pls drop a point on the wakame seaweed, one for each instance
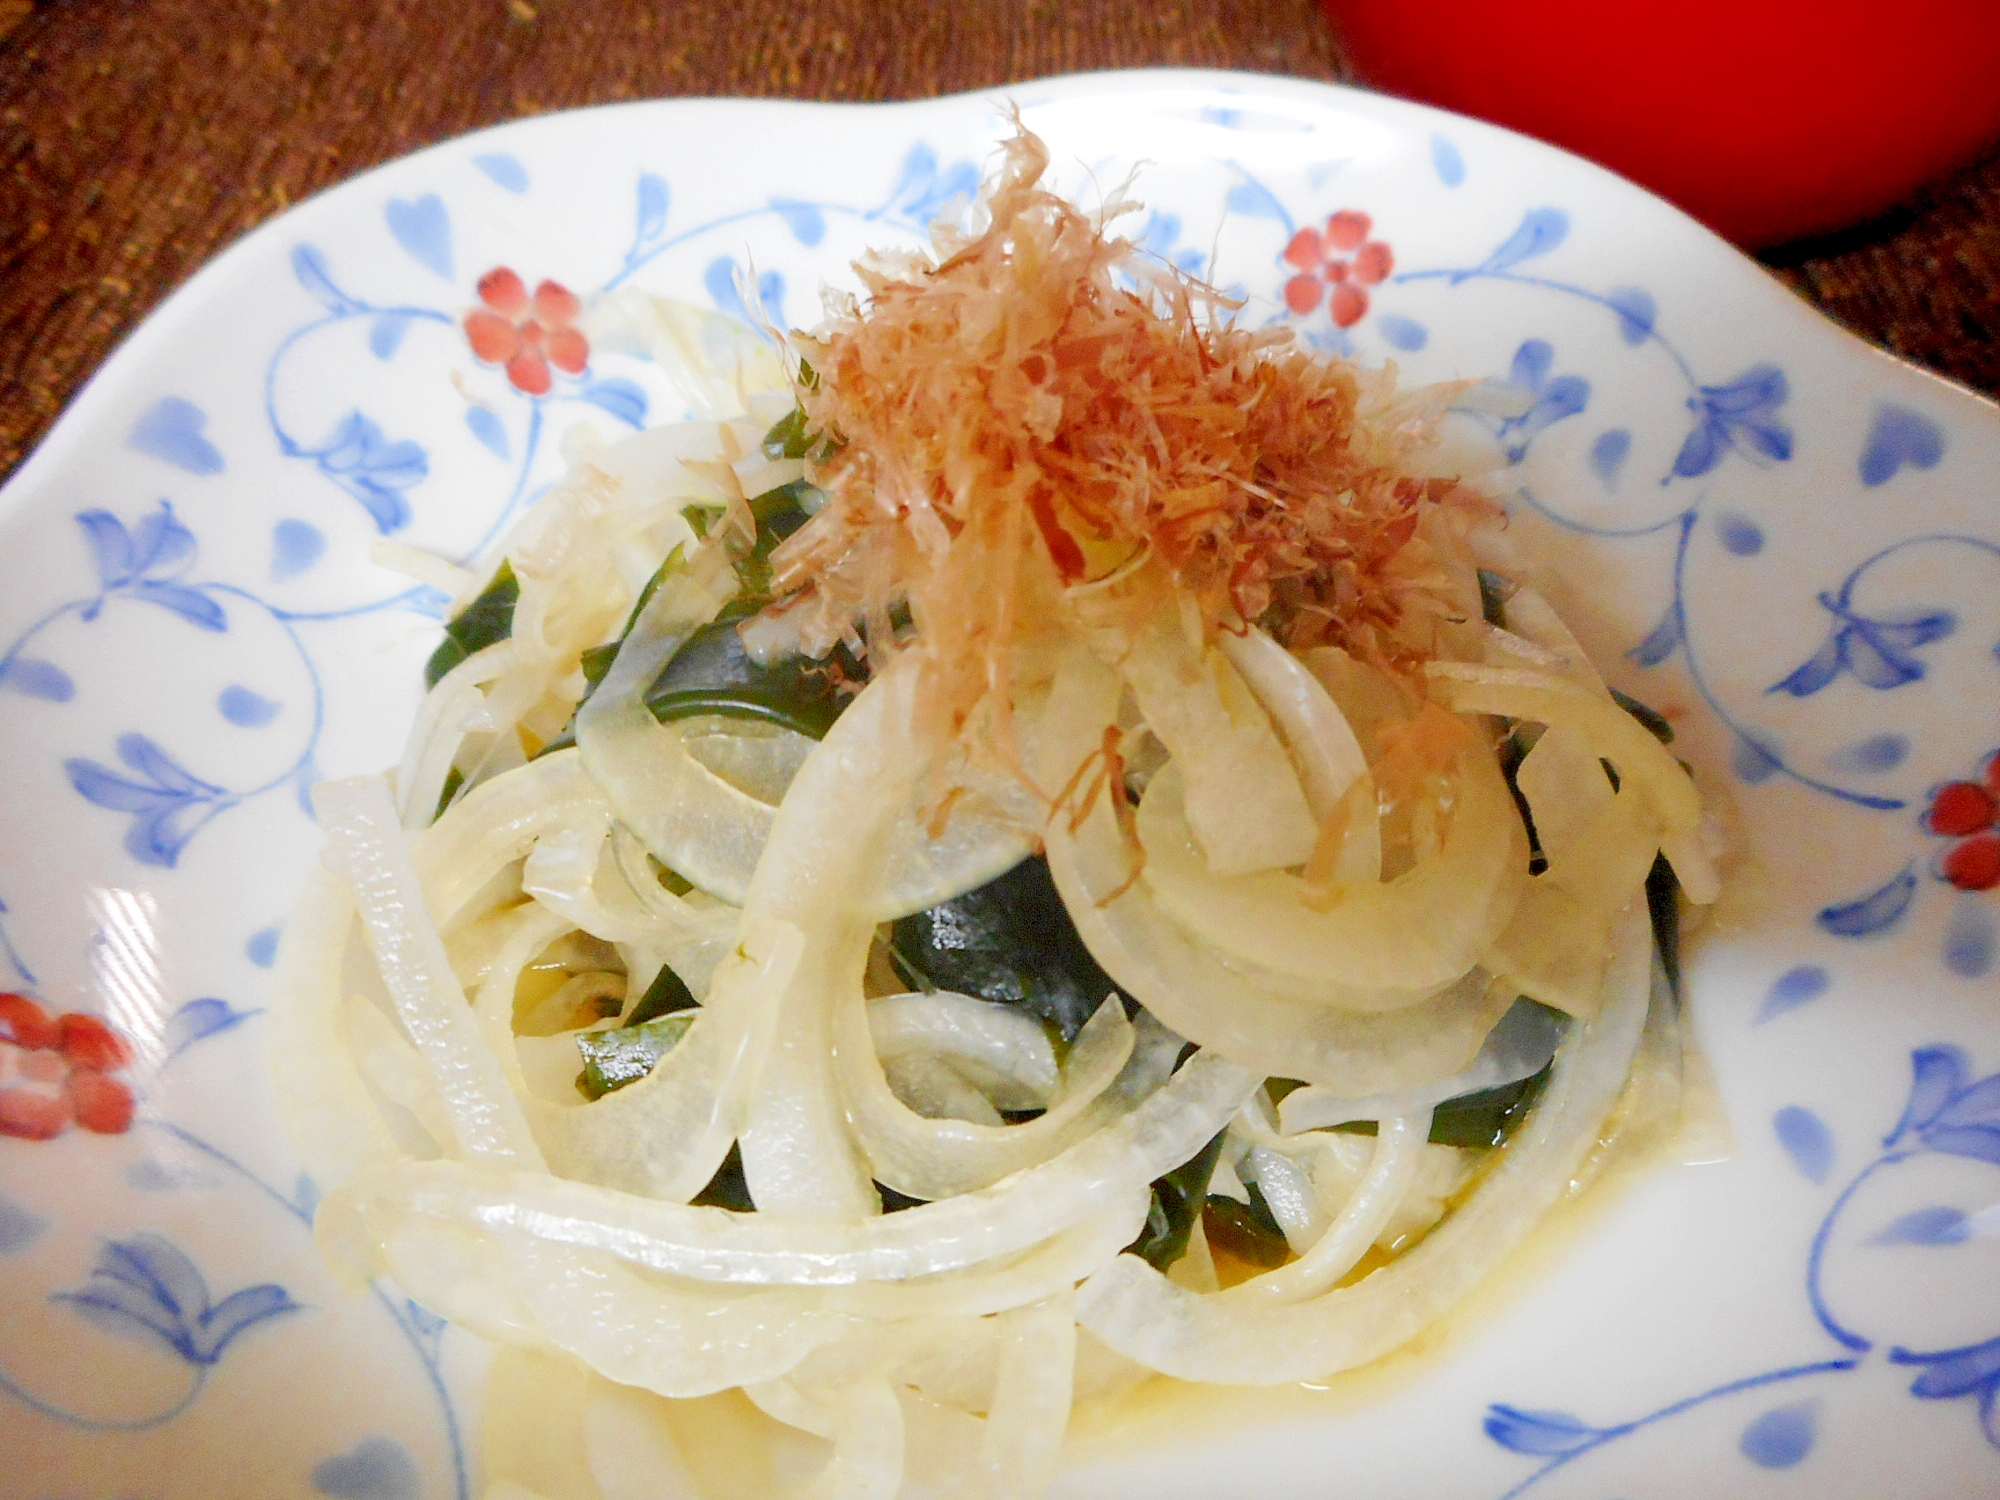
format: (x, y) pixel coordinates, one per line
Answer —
(484, 622)
(1485, 1117)
(1010, 941)
(1178, 1199)
(1248, 1231)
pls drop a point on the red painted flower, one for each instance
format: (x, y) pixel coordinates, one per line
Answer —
(527, 334)
(1340, 256)
(58, 1071)
(1967, 812)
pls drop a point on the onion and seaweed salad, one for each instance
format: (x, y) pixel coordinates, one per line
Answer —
(1019, 851)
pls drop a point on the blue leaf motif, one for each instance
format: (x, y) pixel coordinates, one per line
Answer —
(1878, 651)
(244, 708)
(1661, 641)
(1255, 201)
(805, 220)
(295, 547)
(1399, 332)
(1937, 1076)
(1637, 312)
(1781, 1437)
(198, 1020)
(1980, 1142)
(1925, 1226)
(1793, 988)
(1969, 939)
(262, 949)
(37, 679)
(145, 1288)
(190, 604)
(1806, 1139)
(423, 228)
(1873, 913)
(1447, 162)
(20, 1226)
(1555, 398)
(1971, 1371)
(374, 470)
(503, 170)
(1608, 454)
(1755, 759)
(1540, 231)
(1877, 753)
(622, 398)
(1741, 415)
(166, 807)
(309, 266)
(1897, 437)
(1541, 1433)
(385, 334)
(376, 1468)
(652, 214)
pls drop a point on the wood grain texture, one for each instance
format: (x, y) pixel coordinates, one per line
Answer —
(138, 139)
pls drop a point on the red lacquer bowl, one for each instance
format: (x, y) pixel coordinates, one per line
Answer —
(1767, 119)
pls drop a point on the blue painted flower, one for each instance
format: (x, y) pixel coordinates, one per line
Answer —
(924, 191)
(1877, 651)
(1950, 1374)
(1946, 1112)
(1742, 415)
(1555, 397)
(167, 805)
(372, 469)
(143, 563)
(144, 1288)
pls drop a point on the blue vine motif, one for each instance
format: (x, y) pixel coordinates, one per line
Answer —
(1948, 1113)
(147, 563)
(1742, 415)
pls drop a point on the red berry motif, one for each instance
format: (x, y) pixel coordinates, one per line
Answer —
(103, 1104)
(1974, 864)
(1341, 256)
(24, 1023)
(56, 1071)
(527, 334)
(1968, 812)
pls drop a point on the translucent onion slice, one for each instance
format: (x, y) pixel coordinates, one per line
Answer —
(1614, 734)
(1031, 1400)
(1324, 750)
(1411, 934)
(1520, 1046)
(1183, 983)
(999, 1042)
(938, 1158)
(365, 844)
(692, 820)
(1107, 1172)
(1137, 1311)
(1245, 804)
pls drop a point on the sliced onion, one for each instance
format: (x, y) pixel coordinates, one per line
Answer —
(1220, 1006)
(999, 1041)
(1107, 1171)
(1411, 934)
(1520, 1046)
(1144, 1316)
(937, 1158)
(1031, 1400)
(1324, 750)
(365, 844)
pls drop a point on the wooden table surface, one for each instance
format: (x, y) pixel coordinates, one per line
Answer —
(139, 137)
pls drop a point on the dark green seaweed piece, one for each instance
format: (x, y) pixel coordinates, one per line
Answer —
(1011, 941)
(727, 1188)
(454, 779)
(1178, 1198)
(482, 623)
(1655, 722)
(1663, 904)
(667, 995)
(1248, 1231)
(1483, 1118)
(625, 1054)
(1495, 589)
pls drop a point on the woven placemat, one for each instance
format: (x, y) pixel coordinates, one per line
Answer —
(138, 140)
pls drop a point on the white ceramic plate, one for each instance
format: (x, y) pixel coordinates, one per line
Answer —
(1779, 536)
